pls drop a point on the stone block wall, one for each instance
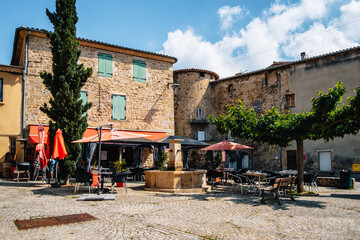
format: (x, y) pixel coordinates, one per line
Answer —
(149, 105)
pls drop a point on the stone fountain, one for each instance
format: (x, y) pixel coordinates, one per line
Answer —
(176, 180)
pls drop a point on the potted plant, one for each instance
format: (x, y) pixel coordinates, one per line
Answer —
(120, 167)
(162, 162)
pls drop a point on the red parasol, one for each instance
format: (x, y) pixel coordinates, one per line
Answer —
(47, 151)
(59, 150)
(40, 148)
(227, 145)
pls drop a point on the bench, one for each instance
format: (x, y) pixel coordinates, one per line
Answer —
(281, 187)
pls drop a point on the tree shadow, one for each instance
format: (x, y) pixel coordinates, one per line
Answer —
(249, 199)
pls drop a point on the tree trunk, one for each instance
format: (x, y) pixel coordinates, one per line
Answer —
(300, 164)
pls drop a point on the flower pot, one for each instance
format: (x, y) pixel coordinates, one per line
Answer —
(120, 184)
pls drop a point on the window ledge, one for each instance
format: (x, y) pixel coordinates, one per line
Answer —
(2, 103)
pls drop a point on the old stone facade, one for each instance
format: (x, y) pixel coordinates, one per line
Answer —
(287, 86)
(149, 104)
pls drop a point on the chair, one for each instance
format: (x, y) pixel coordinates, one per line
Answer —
(310, 181)
(81, 176)
(119, 177)
(22, 168)
(138, 174)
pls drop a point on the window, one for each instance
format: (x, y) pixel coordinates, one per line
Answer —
(105, 65)
(325, 161)
(230, 88)
(290, 100)
(245, 162)
(139, 70)
(118, 111)
(1, 89)
(202, 74)
(201, 136)
(12, 145)
(257, 106)
(83, 97)
(198, 114)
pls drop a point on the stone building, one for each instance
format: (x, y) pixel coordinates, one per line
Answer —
(287, 86)
(129, 88)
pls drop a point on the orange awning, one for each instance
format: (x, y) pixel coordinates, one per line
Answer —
(151, 135)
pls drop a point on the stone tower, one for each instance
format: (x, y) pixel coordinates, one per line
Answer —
(193, 102)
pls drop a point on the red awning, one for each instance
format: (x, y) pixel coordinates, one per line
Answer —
(33, 134)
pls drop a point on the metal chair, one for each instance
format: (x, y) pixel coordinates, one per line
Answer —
(310, 181)
(82, 177)
(22, 168)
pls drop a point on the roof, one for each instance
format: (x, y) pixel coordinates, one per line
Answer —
(280, 65)
(21, 33)
(11, 69)
(197, 70)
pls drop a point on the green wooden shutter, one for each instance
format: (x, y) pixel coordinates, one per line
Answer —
(101, 64)
(1, 90)
(139, 70)
(108, 66)
(118, 107)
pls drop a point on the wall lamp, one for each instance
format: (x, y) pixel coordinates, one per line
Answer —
(175, 86)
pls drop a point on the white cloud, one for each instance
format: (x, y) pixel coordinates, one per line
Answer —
(193, 51)
(228, 15)
(281, 32)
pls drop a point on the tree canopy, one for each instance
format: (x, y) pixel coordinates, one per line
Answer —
(328, 118)
(66, 110)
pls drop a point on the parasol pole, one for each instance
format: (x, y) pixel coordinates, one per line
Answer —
(99, 157)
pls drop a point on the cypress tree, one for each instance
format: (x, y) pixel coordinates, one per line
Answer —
(65, 109)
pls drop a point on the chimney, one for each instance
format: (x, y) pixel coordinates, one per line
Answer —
(303, 55)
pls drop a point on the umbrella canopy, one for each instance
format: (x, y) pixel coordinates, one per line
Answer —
(40, 147)
(188, 142)
(59, 150)
(227, 145)
(111, 136)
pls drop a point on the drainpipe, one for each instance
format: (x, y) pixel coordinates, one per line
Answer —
(24, 85)
(23, 140)
(279, 90)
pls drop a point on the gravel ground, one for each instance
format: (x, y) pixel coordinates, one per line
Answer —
(219, 214)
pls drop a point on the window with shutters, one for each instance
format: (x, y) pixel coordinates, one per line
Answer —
(105, 65)
(83, 97)
(257, 106)
(201, 136)
(290, 100)
(1, 89)
(118, 111)
(139, 70)
(198, 114)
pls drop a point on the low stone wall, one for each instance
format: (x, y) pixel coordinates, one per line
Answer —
(331, 181)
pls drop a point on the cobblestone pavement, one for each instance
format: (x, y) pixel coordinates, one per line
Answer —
(148, 215)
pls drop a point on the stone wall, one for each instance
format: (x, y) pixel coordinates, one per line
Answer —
(149, 105)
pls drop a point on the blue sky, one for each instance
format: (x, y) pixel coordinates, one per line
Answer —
(224, 36)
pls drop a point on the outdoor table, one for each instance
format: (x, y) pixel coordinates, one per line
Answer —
(258, 175)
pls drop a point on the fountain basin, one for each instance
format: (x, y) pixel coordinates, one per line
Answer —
(176, 181)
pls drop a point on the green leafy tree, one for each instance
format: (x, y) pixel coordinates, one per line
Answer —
(328, 119)
(65, 109)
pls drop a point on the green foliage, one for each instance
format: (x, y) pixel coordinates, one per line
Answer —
(328, 119)
(161, 163)
(65, 108)
(218, 160)
(120, 165)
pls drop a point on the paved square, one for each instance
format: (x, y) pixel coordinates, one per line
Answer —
(335, 214)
